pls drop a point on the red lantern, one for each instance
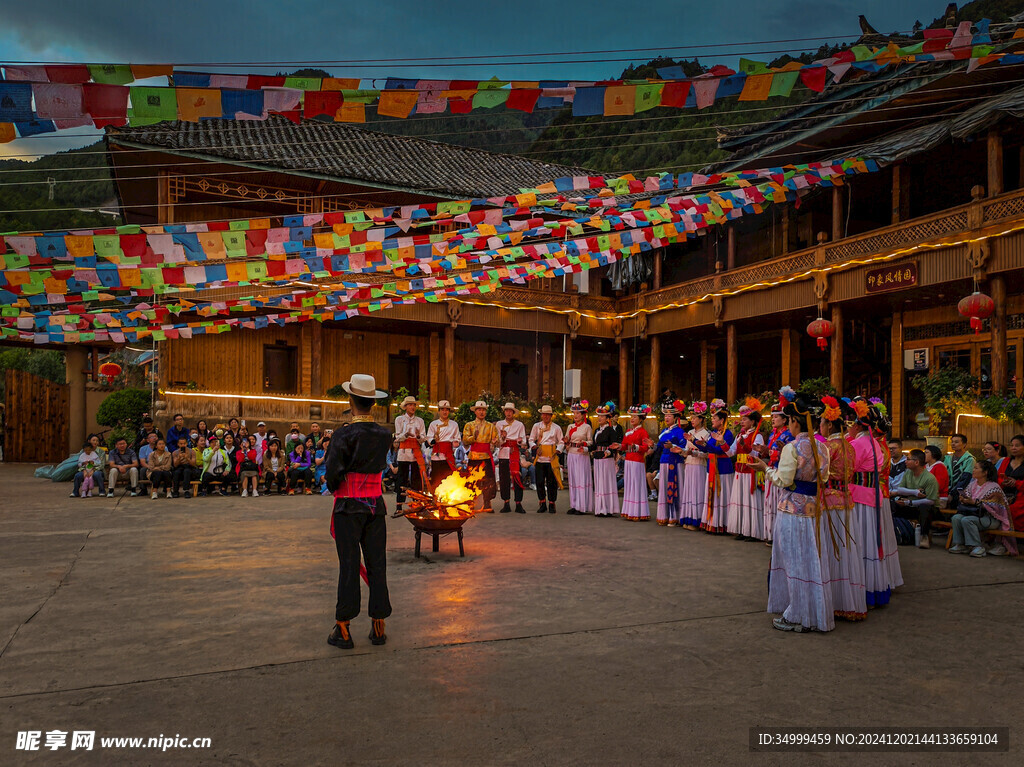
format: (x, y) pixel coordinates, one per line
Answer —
(978, 307)
(110, 370)
(822, 330)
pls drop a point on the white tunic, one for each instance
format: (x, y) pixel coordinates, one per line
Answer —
(580, 437)
(408, 427)
(551, 436)
(514, 431)
(439, 431)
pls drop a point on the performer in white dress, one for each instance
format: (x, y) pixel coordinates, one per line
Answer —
(443, 435)
(671, 446)
(720, 468)
(578, 439)
(771, 452)
(745, 515)
(636, 444)
(607, 440)
(695, 470)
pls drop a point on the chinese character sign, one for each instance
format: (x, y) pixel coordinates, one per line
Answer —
(891, 277)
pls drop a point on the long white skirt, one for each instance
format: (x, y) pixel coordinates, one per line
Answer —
(881, 568)
(745, 515)
(606, 489)
(771, 507)
(798, 579)
(694, 495)
(669, 514)
(634, 491)
(581, 482)
(841, 547)
(717, 507)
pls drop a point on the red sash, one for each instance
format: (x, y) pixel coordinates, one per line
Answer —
(413, 444)
(445, 449)
(513, 461)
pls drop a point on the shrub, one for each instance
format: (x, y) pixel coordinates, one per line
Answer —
(124, 408)
(817, 387)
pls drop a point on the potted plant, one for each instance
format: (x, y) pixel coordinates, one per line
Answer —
(943, 390)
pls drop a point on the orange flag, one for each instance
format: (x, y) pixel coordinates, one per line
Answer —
(620, 99)
(7, 132)
(757, 87)
(194, 103)
(397, 103)
(351, 112)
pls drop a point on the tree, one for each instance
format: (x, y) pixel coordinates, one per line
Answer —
(44, 363)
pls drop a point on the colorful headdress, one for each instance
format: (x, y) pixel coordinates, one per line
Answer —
(879, 406)
(606, 409)
(640, 410)
(718, 406)
(750, 406)
(676, 407)
(833, 410)
(861, 408)
(699, 407)
(580, 407)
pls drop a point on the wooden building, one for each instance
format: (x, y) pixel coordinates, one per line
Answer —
(885, 258)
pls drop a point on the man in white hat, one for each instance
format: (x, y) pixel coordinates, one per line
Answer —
(547, 440)
(356, 459)
(480, 437)
(261, 441)
(442, 436)
(511, 438)
(411, 433)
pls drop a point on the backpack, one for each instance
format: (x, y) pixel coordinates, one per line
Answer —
(904, 531)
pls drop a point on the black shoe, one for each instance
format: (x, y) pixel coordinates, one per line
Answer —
(573, 511)
(741, 537)
(506, 509)
(341, 637)
(542, 508)
(520, 509)
(188, 493)
(377, 635)
(551, 507)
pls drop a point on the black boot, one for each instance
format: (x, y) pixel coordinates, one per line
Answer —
(551, 507)
(520, 509)
(543, 507)
(572, 511)
(377, 635)
(506, 509)
(341, 637)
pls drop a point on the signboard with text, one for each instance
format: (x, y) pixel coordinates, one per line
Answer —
(891, 277)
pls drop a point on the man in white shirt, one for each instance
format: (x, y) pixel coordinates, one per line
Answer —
(442, 436)
(547, 440)
(511, 438)
(261, 441)
(410, 433)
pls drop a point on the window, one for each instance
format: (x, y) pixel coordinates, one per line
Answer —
(515, 378)
(404, 372)
(280, 369)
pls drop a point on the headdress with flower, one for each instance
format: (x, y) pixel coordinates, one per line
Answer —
(833, 411)
(580, 407)
(699, 407)
(606, 409)
(676, 407)
(750, 406)
(717, 405)
(640, 410)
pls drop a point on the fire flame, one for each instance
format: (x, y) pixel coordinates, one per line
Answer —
(458, 488)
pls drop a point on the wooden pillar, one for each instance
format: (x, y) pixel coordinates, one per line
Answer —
(837, 213)
(623, 375)
(785, 230)
(836, 370)
(896, 406)
(567, 355)
(730, 258)
(707, 370)
(995, 163)
(732, 365)
(449, 364)
(900, 193)
(790, 358)
(997, 286)
(545, 361)
(657, 268)
(306, 359)
(655, 391)
(316, 385)
(74, 371)
(434, 373)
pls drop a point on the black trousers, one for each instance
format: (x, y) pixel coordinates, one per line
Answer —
(505, 483)
(294, 475)
(408, 476)
(923, 514)
(368, 533)
(160, 479)
(488, 487)
(182, 475)
(269, 477)
(546, 483)
(438, 471)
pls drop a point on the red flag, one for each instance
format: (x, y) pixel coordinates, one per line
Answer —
(814, 78)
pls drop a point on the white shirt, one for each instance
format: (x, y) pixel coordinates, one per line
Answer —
(549, 435)
(408, 427)
(580, 437)
(734, 447)
(693, 455)
(439, 431)
(514, 431)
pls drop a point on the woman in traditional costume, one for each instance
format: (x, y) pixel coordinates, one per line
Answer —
(778, 439)
(798, 584)
(635, 444)
(607, 440)
(578, 439)
(745, 514)
(720, 468)
(840, 543)
(671, 444)
(695, 470)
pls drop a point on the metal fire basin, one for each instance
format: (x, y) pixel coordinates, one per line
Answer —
(436, 529)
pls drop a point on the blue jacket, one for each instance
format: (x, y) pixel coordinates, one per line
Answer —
(669, 437)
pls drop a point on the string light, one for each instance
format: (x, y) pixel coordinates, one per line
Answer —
(262, 397)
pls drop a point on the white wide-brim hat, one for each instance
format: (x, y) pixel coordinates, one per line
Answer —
(509, 406)
(546, 409)
(410, 400)
(444, 403)
(480, 404)
(362, 385)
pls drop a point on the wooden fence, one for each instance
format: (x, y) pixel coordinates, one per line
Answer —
(37, 419)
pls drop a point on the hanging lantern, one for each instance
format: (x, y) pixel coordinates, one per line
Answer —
(821, 329)
(978, 307)
(109, 370)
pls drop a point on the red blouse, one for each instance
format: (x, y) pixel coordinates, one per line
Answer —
(635, 444)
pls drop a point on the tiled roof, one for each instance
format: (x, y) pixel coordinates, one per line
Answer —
(345, 152)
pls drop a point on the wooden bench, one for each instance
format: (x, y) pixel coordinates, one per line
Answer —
(1010, 534)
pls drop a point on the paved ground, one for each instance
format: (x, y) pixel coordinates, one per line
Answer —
(557, 640)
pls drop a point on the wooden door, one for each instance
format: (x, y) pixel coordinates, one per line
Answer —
(36, 419)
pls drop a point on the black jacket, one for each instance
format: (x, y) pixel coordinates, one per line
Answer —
(603, 438)
(359, 448)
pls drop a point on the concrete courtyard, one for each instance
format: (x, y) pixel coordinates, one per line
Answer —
(557, 640)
